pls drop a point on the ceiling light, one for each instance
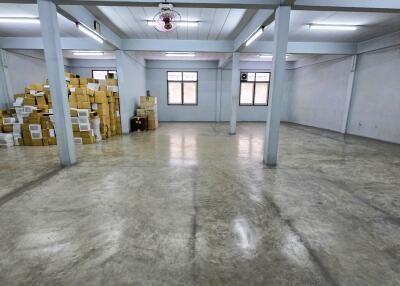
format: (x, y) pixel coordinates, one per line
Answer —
(23, 20)
(180, 23)
(88, 53)
(255, 36)
(267, 56)
(179, 54)
(90, 32)
(332, 27)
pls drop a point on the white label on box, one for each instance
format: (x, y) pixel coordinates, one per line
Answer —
(29, 109)
(83, 113)
(74, 120)
(117, 113)
(94, 106)
(84, 127)
(78, 140)
(83, 120)
(93, 86)
(36, 135)
(72, 89)
(19, 101)
(32, 91)
(35, 128)
(47, 87)
(39, 93)
(8, 120)
(51, 118)
(52, 133)
(112, 88)
(50, 110)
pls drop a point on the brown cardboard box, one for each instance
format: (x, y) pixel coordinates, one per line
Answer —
(147, 101)
(88, 140)
(81, 90)
(73, 104)
(84, 105)
(37, 142)
(52, 141)
(152, 124)
(82, 97)
(75, 128)
(74, 81)
(41, 100)
(112, 81)
(7, 128)
(100, 97)
(45, 141)
(29, 101)
(73, 112)
(26, 137)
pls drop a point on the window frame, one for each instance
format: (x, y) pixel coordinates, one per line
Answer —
(182, 88)
(108, 71)
(254, 88)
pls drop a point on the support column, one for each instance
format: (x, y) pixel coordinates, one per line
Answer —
(282, 17)
(219, 96)
(58, 88)
(235, 91)
(349, 95)
(6, 93)
(123, 91)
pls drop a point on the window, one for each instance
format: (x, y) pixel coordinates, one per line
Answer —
(101, 74)
(254, 88)
(182, 88)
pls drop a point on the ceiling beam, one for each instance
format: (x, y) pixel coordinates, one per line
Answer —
(82, 15)
(261, 18)
(391, 6)
(305, 48)
(36, 43)
(382, 42)
(158, 45)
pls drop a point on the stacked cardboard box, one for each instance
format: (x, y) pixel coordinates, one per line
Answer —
(94, 110)
(148, 109)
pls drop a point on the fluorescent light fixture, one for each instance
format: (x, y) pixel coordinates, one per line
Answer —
(267, 56)
(22, 20)
(90, 32)
(179, 54)
(332, 27)
(88, 53)
(180, 23)
(255, 36)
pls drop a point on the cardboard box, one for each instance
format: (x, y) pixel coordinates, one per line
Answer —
(36, 87)
(152, 124)
(29, 101)
(100, 97)
(82, 97)
(84, 105)
(88, 140)
(111, 81)
(146, 101)
(37, 142)
(80, 90)
(74, 81)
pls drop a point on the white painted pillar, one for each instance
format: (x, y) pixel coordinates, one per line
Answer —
(6, 93)
(349, 95)
(218, 96)
(58, 88)
(123, 91)
(282, 17)
(235, 91)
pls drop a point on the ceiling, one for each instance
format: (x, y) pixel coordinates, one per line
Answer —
(215, 23)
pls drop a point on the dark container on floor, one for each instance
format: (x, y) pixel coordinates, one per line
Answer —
(138, 123)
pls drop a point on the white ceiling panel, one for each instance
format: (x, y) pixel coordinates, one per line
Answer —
(371, 25)
(67, 28)
(214, 24)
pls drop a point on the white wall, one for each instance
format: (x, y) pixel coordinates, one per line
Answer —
(132, 85)
(318, 92)
(84, 67)
(375, 108)
(205, 110)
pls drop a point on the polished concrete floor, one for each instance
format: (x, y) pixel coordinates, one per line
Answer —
(190, 205)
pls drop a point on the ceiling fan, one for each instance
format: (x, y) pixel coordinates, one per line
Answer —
(167, 19)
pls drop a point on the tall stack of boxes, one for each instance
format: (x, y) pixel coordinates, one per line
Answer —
(148, 109)
(94, 109)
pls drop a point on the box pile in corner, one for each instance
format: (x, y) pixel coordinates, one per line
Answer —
(146, 114)
(94, 108)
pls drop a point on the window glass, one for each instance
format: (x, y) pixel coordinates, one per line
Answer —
(250, 76)
(177, 76)
(189, 92)
(175, 93)
(190, 76)
(99, 74)
(261, 92)
(262, 76)
(246, 93)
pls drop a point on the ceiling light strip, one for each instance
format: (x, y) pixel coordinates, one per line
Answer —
(91, 33)
(332, 27)
(254, 36)
(20, 20)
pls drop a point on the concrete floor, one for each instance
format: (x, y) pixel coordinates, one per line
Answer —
(190, 205)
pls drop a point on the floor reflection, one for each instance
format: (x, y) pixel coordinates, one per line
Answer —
(182, 150)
